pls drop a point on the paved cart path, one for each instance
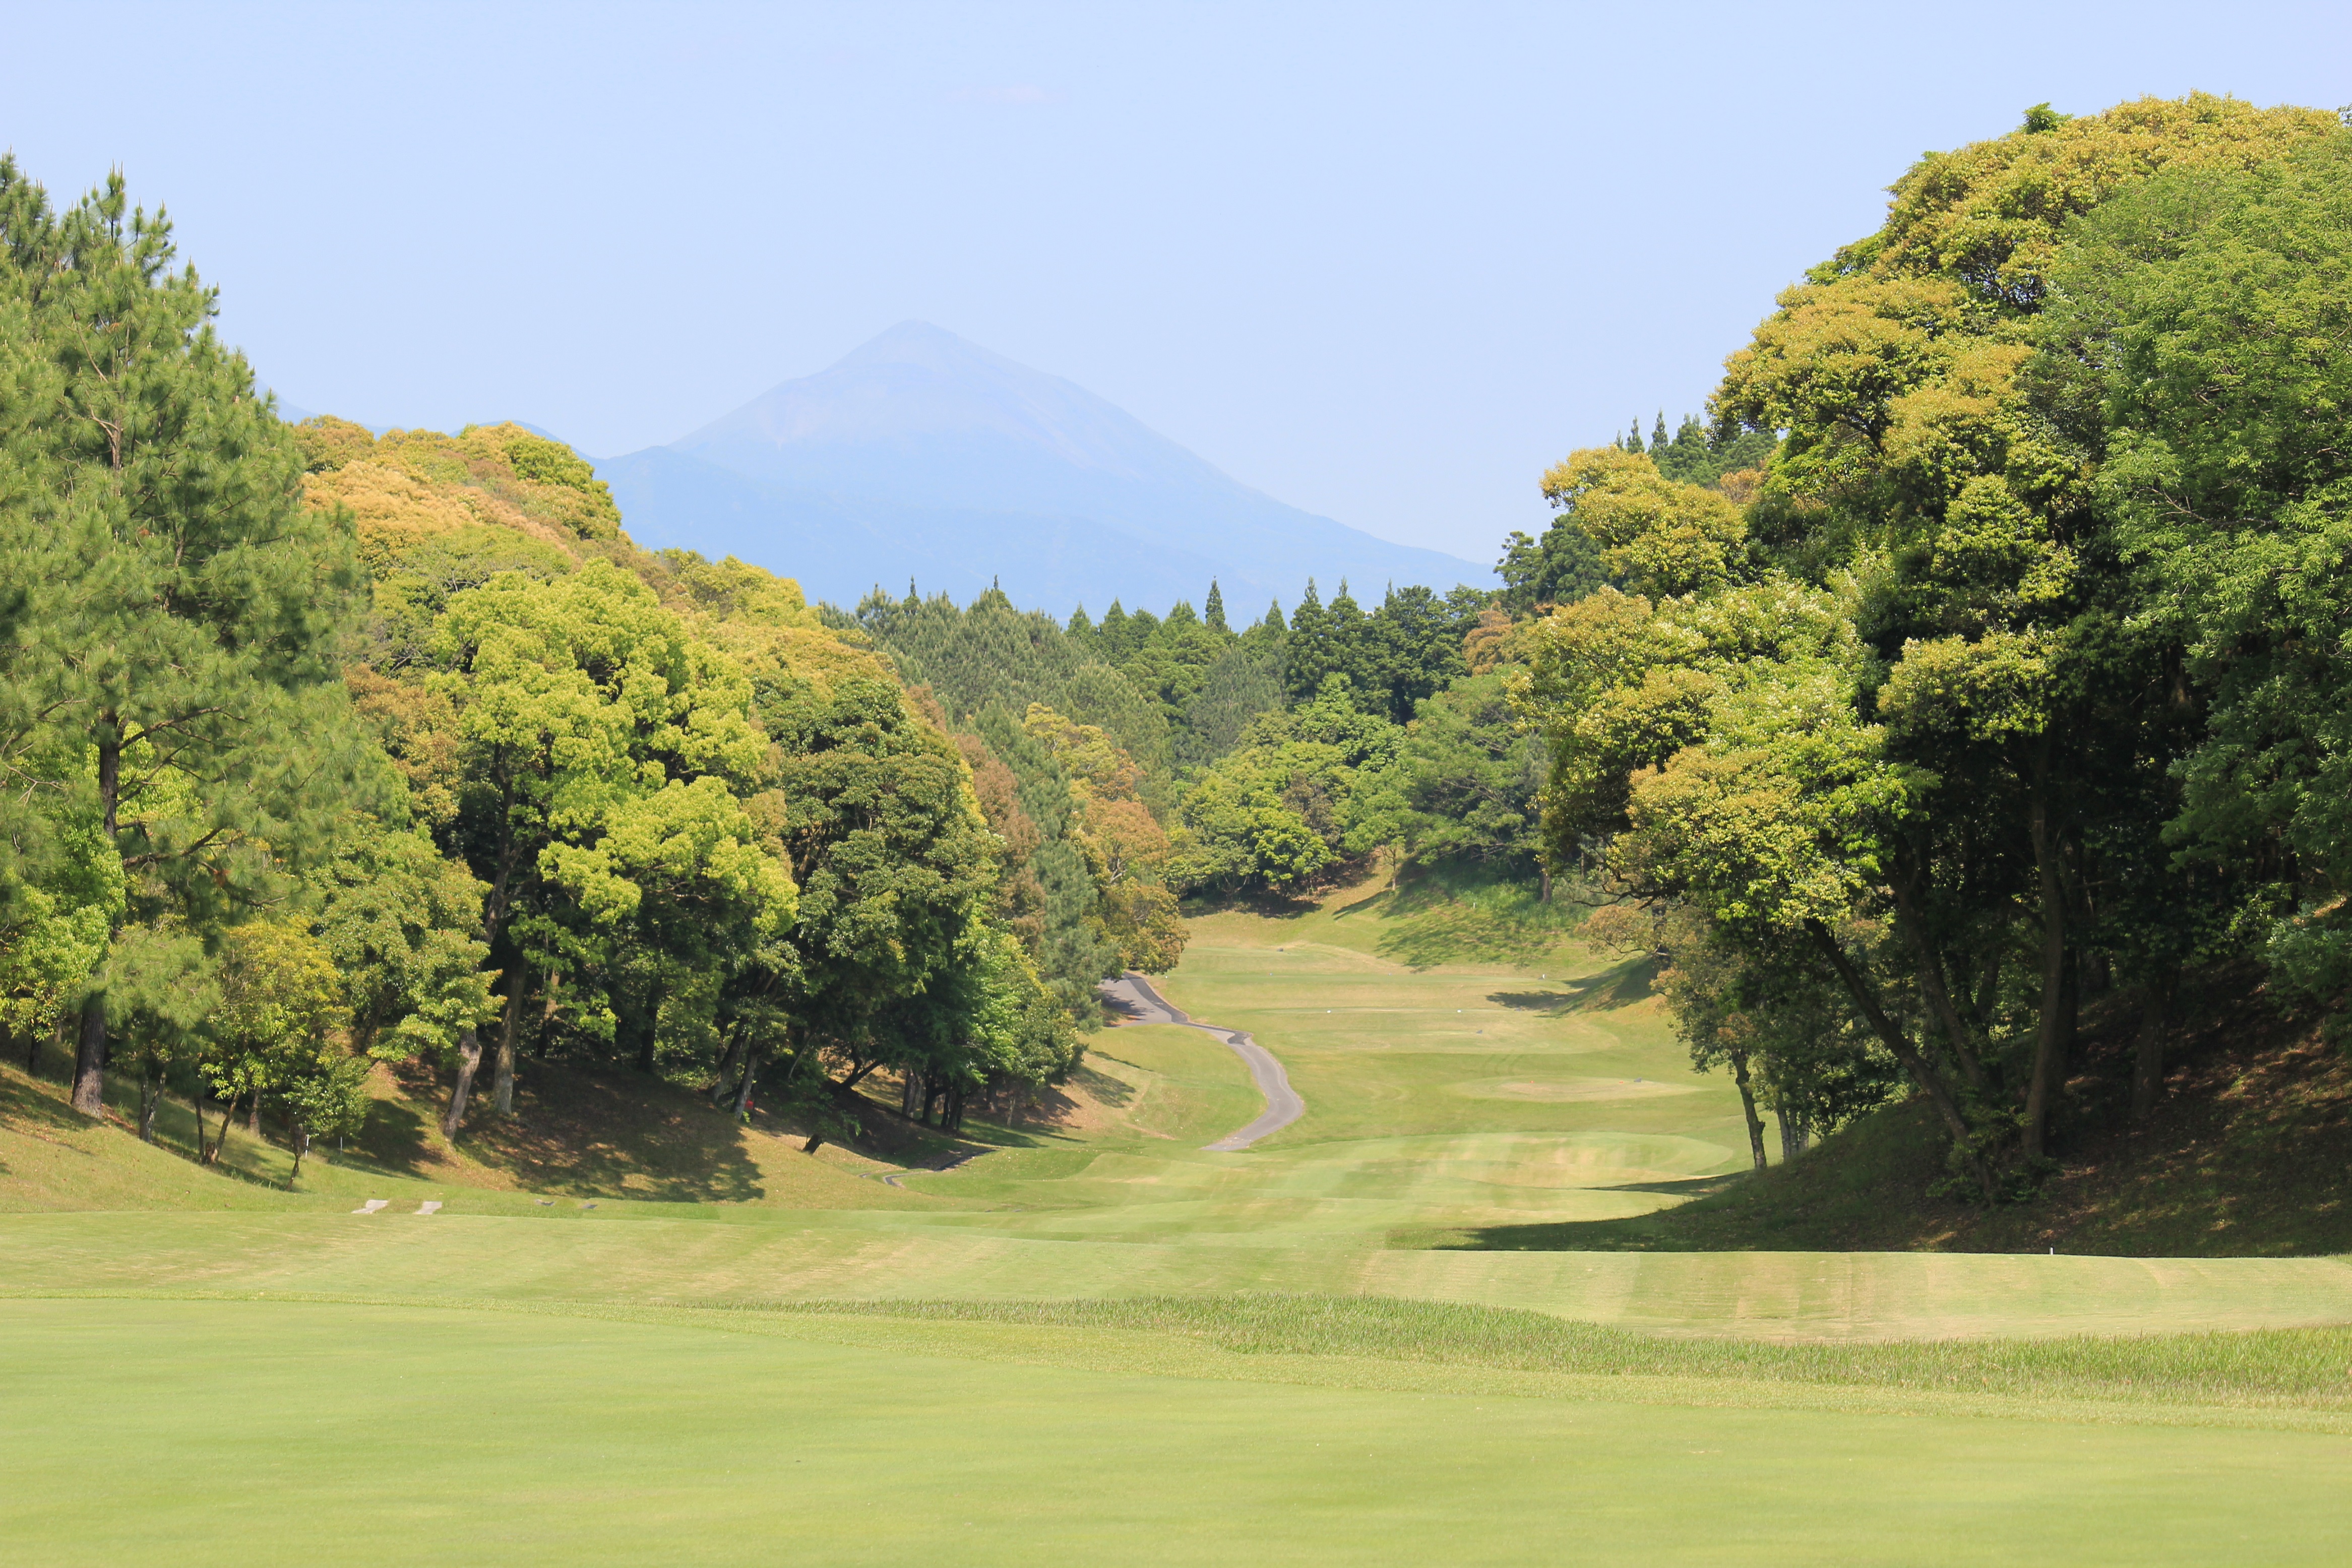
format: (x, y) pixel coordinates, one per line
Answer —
(1134, 994)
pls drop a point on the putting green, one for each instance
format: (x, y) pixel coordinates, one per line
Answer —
(303, 1433)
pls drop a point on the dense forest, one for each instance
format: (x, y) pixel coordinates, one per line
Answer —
(2011, 681)
(1974, 660)
(334, 751)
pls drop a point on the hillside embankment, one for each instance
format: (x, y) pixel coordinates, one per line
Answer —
(2245, 1155)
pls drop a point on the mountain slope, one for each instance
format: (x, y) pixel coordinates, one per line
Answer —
(920, 455)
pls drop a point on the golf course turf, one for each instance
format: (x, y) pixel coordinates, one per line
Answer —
(1100, 1341)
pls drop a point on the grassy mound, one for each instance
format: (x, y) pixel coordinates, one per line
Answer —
(2245, 1156)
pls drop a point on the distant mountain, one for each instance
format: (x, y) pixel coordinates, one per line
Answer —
(921, 455)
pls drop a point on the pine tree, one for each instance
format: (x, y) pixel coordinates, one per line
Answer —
(193, 660)
(1274, 622)
(1214, 616)
(1633, 437)
(1658, 432)
(1309, 653)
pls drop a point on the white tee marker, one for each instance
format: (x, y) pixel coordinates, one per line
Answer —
(373, 1205)
(430, 1206)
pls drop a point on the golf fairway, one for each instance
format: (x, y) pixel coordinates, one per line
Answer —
(352, 1434)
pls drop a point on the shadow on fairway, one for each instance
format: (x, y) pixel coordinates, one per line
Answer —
(1654, 1232)
(591, 1133)
(1620, 985)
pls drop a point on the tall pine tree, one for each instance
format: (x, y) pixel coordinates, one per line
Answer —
(1309, 653)
(187, 605)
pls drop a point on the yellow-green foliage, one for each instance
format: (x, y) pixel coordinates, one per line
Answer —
(414, 483)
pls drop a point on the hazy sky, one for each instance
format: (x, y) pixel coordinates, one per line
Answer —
(1385, 263)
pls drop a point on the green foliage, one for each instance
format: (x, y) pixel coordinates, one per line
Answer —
(992, 655)
(2199, 340)
(1304, 791)
(403, 926)
(176, 611)
(1469, 778)
(1888, 747)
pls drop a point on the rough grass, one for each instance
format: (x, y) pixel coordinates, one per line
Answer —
(2245, 1156)
(2305, 1369)
(577, 1135)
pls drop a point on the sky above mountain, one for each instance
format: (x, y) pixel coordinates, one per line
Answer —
(1383, 262)
(921, 455)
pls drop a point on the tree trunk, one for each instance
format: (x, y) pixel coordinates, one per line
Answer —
(1929, 964)
(650, 1027)
(722, 1081)
(2147, 1073)
(751, 1078)
(547, 1016)
(1796, 1137)
(1931, 1082)
(89, 1060)
(2053, 1035)
(220, 1141)
(1543, 881)
(502, 1092)
(299, 1136)
(470, 1057)
(196, 1103)
(150, 1097)
(253, 1116)
(1747, 1107)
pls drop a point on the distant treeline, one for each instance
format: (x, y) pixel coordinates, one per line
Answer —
(1274, 757)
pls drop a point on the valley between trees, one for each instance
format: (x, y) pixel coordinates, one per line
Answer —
(1841, 961)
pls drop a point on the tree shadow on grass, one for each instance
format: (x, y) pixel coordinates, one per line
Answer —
(1620, 985)
(582, 1132)
(1266, 905)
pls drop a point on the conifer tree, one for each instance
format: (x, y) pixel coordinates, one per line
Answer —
(1213, 615)
(1309, 652)
(188, 603)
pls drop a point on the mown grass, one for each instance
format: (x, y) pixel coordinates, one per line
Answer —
(240, 1433)
(2294, 1368)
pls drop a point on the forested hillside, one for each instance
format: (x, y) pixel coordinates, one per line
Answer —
(2012, 682)
(330, 751)
(1973, 664)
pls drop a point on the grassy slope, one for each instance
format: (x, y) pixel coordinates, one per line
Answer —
(576, 1135)
(404, 1388)
(2244, 1157)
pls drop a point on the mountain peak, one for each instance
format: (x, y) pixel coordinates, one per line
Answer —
(922, 449)
(913, 342)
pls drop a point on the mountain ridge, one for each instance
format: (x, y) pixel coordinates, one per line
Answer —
(918, 453)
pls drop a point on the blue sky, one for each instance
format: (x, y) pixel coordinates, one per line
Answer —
(1383, 263)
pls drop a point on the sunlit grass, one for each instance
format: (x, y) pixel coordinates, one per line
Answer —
(2297, 1368)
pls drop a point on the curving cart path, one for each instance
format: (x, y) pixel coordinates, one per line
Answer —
(1133, 994)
